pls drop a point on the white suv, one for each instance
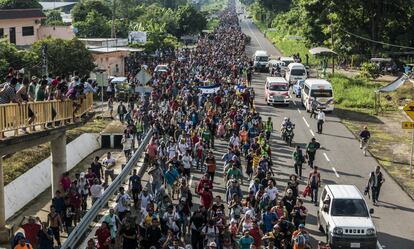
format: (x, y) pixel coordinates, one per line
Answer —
(344, 217)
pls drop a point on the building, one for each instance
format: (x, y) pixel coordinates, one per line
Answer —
(110, 54)
(21, 25)
(63, 7)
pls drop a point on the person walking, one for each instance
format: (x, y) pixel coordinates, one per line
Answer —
(314, 182)
(375, 181)
(298, 159)
(121, 111)
(311, 149)
(321, 120)
(314, 106)
(268, 128)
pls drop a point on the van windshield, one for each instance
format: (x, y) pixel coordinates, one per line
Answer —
(349, 207)
(278, 87)
(298, 72)
(287, 62)
(262, 58)
(321, 93)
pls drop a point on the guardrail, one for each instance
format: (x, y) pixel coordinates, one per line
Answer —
(14, 117)
(79, 232)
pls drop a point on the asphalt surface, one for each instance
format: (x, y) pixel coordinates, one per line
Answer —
(340, 160)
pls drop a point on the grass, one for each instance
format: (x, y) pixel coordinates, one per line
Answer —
(20, 162)
(214, 6)
(213, 23)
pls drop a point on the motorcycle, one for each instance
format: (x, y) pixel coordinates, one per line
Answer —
(288, 134)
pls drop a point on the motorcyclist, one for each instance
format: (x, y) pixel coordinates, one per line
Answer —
(286, 123)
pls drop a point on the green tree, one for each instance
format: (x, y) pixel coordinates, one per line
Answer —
(94, 25)
(53, 18)
(190, 20)
(60, 62)
(10, 56)
(20, 4)
(81, 10)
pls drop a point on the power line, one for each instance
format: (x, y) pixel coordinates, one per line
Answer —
(374, 41)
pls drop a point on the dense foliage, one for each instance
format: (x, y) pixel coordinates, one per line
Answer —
(20, 4)
(53, 17)
(385, 21)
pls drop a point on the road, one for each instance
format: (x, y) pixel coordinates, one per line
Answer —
(340, 159)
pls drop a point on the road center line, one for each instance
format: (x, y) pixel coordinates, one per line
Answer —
(379, 246)
(326, 157)
(299, 110)
(294, 103)
(306, 122)
(313, 134)
(336, 173)
(191, 181)
(255, 37)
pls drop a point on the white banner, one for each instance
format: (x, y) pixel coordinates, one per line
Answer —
(137, 36)
(143, 77)
(209, 90)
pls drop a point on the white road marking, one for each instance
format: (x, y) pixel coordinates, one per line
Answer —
(326, 157)
(191, 181)
(313, 134)
(299, 110)
(379, 246)
(336, 173)
(251, 31)
(294, 103)
(306, 122)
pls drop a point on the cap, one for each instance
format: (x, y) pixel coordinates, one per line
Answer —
(289, 191)
(212, 244)
(301, 225)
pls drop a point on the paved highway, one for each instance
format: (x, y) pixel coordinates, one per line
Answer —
(339, 159)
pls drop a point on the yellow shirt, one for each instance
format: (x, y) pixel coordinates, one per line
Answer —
(256, 160)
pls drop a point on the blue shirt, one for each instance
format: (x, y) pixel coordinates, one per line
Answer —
(170, 176)
(268, 218)
(245, 242)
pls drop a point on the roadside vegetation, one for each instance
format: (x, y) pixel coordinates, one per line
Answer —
(213, 6)
(17, 164)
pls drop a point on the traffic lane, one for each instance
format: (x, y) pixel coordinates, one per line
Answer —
(354, 168)
(282, 153)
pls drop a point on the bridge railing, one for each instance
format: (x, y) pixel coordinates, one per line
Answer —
(14, 117)
(81, 229)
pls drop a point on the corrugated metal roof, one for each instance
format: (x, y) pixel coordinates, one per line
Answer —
(21, 13)
(55, 5)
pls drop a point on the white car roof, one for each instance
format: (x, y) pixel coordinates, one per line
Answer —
(344, 192)
(260, 53)
(276, 80)
(119, 79)
(287, 59)
(317, 82)
(292, 65)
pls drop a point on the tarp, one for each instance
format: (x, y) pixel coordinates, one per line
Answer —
(394, 85)
(209, 89)
(321, 50)
(143, 76)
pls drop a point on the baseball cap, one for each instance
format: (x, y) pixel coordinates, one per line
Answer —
(301, 225)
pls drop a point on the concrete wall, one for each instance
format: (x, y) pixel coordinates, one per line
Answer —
(38, 178)
(61, 32)
(19, 24)
(113, 62)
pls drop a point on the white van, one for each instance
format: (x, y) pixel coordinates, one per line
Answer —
(344, 217)
(295, 72)
(318, 89)
(277, 91)
(286, 61)
(260, 61)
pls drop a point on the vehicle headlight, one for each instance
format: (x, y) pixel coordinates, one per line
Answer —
(287, 96)
(338, 231)
(370, 231)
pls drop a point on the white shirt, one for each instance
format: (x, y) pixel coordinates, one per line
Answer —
(126, 143)
(145, 199)
(96, 190)
(122, 202)
(321, 116)
(187, 161)
(235, 141)
(272, 192)
(109, 161)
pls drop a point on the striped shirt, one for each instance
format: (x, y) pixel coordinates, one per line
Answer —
(7, 94)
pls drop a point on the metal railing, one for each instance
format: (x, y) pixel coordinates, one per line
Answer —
(80, 230)
(14, 117)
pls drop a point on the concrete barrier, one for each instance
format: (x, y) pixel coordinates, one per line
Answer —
(38, 178)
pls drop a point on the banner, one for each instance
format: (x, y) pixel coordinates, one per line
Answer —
(143, 76)
(137, 36)
(209, 89)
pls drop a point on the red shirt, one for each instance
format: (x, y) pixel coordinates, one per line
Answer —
(206, 198)
(31, 230)
(255, 233)
(75, 200)
(102, 236)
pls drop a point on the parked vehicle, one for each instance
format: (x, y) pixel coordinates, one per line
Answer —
(260, 61)
(277, 91)
(344, 217)
(319, 90)
(295, 72)
(122, 88)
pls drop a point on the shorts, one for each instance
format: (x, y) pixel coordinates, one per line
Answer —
(186, 172)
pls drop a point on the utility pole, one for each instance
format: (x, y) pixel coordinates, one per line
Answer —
(332, 47)
(113, 19)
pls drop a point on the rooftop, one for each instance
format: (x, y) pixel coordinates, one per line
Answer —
(114, 49)
(21, 13)
(55, 5)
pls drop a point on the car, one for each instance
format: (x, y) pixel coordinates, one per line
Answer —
(260, 61)
(297, 88)
(277, 91)
(344, 217)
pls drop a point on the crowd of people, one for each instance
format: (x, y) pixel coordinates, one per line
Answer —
(186, 117)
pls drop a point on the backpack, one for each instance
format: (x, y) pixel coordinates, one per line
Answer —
(301, 240)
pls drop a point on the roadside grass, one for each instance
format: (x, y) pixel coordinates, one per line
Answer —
(214, 6)
(17, 164)
(213, 23)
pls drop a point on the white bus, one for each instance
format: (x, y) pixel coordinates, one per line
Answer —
(319, 90)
